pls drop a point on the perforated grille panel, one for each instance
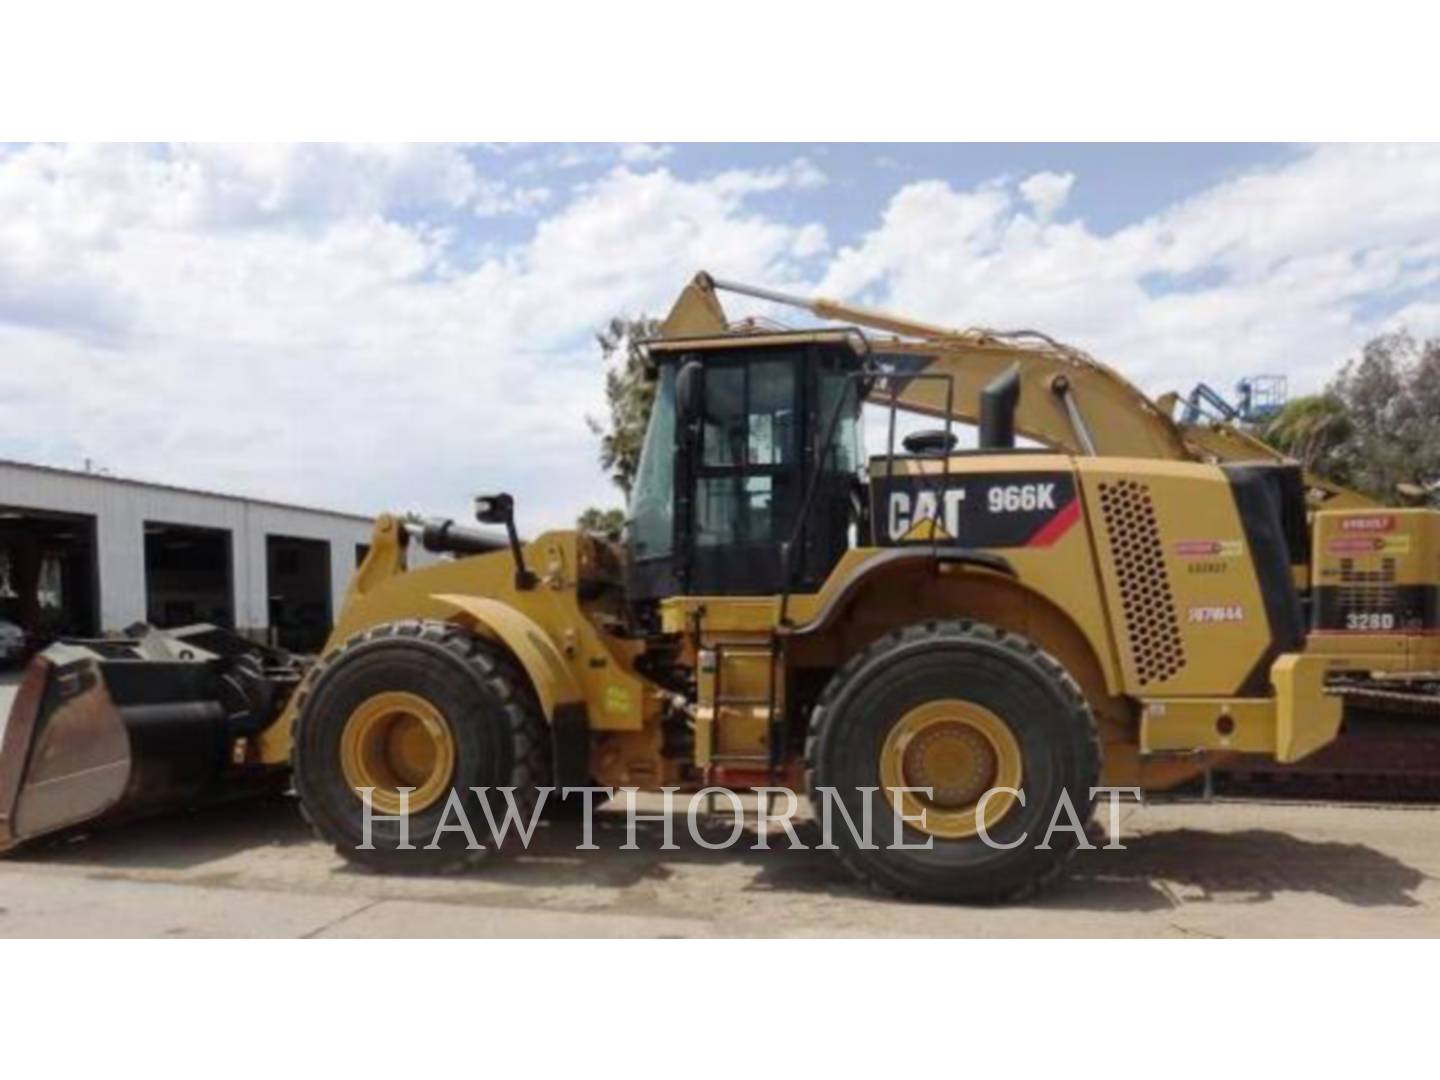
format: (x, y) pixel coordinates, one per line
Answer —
(1151, 627)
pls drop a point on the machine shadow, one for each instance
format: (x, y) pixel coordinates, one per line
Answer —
(176, 841)
(1151, 873)
(1248, 866)
(1154, 871)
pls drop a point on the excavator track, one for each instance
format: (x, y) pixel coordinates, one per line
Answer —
(1413, 699)
(1388, 751)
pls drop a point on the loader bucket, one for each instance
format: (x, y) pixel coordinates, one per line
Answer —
(116, 728)
(64, 755)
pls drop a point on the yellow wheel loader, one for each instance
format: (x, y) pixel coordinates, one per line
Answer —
(950, 645)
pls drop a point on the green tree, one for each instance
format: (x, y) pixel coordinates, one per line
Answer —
(607, 522)
(1391, 396)
(1312, 430)
(1376, 427)
(629, 395)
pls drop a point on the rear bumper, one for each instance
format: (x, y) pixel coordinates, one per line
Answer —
(1298, 720)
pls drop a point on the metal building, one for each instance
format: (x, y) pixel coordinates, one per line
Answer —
(85, 553)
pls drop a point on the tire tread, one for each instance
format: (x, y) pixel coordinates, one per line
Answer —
(957, 631)
(501, 677)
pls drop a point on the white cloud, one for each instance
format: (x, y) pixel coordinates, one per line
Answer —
(313, 323)
(810, 240)
(1282, 269)
(798, 175)
(1046, 192)
(205, 317)
(494, 198)
(644, 153)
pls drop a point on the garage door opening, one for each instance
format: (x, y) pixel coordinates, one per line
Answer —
(298, 576)
(49, 578)
(189, 575)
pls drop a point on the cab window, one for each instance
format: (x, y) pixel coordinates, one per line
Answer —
(652, 502)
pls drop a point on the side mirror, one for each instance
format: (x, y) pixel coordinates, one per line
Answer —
(689, 387)
(500, 510)
(494, 509)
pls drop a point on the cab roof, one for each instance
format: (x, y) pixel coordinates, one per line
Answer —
(849, 337)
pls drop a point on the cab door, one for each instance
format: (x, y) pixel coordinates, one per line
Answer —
(747, 472)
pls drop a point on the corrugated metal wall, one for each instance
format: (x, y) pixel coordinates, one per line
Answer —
(121, 508)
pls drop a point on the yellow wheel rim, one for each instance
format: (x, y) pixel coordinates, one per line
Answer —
(394, 740)
(958, 749)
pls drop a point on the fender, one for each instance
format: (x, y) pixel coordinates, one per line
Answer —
(918, 556)
(990, 576)
(555, 684)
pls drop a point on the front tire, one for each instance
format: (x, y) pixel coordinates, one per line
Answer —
(962, 708)
(424, 705)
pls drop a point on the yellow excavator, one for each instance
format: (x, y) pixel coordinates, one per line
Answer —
(974, 637)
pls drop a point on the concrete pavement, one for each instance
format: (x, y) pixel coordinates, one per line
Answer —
(1190, 869)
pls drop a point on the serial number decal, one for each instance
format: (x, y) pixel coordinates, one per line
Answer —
(1207, 566)
(1370, 620)
(1217, 613)
(1198, 549)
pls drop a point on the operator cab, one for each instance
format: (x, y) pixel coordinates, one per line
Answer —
(740, 429)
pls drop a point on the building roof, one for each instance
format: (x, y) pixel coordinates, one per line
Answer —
(80, 474)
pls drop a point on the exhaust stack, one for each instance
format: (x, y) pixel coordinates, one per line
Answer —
(997, 410)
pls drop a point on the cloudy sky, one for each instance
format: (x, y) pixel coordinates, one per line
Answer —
(401, 327)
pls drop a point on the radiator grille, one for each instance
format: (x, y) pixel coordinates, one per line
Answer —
(1152, 630)
(1368, 590)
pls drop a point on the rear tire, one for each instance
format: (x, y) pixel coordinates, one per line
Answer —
(1037, 721)
(484, 719)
